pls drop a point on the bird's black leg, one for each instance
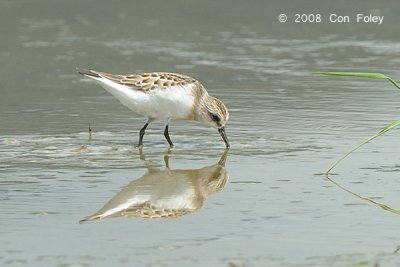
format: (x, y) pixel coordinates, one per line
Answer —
(141, 134)
(166, 134)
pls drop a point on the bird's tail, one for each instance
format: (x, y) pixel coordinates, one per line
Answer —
(91, 218)
(88, 73)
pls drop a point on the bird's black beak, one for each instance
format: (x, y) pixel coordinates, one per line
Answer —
(223, 134)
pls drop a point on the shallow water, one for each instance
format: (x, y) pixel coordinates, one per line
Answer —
(272, 207)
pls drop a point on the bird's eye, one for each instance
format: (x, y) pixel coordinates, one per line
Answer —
(215, 118)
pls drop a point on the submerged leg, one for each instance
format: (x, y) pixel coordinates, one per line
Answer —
(141, 154)
(166, 134)
(166, 158)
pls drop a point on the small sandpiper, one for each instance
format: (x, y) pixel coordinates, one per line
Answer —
(164, 96)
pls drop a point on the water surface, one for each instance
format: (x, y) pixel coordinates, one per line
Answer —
(286, 127)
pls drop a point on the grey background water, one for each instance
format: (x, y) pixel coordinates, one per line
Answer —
(286, 127)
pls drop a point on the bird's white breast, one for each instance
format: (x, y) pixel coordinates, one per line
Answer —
(159, 103)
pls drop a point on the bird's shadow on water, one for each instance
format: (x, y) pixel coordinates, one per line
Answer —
(165, 192)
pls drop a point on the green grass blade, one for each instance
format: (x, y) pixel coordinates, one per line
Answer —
(327, 174)
(361, 75)
(373, 202)
(355, 74)
(383, 131)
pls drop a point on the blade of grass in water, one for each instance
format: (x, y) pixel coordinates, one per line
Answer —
(384, 130)
(361, 75)
(373, 202)
(381, 132)
(327, 174)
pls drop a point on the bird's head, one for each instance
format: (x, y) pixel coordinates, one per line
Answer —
(214, 113)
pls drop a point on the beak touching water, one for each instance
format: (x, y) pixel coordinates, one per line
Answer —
(223, 134)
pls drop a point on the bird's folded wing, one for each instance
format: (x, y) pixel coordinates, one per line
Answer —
(149, 81)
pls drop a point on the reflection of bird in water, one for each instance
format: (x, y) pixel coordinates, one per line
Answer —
(165, 193)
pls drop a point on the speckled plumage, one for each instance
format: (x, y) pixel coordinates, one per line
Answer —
(150, 81)
(164, 96)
